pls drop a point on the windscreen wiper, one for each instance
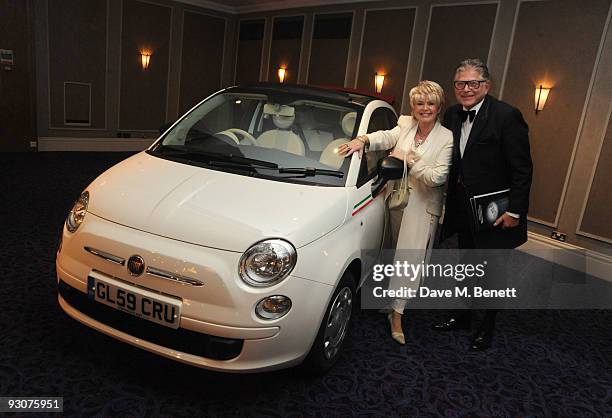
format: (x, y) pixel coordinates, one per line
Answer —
(310, 172)
(239, 160)
(300, 171)
(241, 165)
(214, 158)
(173, 151)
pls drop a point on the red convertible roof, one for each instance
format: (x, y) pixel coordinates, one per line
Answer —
(361, 97)
(359, 92)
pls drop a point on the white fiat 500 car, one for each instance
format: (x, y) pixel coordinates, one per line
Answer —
(235, 242)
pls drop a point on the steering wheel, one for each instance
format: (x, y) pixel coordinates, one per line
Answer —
(236, 134)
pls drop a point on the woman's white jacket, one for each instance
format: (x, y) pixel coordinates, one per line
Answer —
(426, 179)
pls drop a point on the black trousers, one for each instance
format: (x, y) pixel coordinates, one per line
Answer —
(466, 241)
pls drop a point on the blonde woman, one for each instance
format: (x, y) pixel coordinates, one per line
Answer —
(426, 147)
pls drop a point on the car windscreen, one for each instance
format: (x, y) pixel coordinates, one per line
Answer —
(273, 135)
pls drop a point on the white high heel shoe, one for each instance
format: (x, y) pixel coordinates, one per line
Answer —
(398, 336)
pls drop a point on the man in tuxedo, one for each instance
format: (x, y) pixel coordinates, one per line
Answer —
(491, 153)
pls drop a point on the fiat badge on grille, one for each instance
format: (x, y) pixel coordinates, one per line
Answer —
(136, 265)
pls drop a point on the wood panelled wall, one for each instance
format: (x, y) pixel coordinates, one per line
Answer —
(286, 47)
(203, 44)
(17, 107)
(449, 40)
(142, 104)
(96, 44)
(249, 51)
(595, 220)
(385, 49)
(545, 52)
(331, 39)
(73, 48)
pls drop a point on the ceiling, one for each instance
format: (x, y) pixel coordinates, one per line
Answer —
(249, 6)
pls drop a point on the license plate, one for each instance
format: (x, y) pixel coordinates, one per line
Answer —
(142, 303)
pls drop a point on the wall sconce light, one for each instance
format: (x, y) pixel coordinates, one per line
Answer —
(282, 72)
(379, 80)
(541, 94)
(145, 58)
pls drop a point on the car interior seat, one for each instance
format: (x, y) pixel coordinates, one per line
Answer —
(282, 138)
(316, 139)
(330, 155)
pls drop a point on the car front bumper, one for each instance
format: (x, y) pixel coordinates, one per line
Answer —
(218, 328)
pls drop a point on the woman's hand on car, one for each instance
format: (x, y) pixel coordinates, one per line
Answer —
(356, 145)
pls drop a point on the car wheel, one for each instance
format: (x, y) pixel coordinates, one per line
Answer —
(333, 329)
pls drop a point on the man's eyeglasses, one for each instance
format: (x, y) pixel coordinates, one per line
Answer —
(472, 84)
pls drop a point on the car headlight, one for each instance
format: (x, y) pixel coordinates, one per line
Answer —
(77, 213)
(267, 262)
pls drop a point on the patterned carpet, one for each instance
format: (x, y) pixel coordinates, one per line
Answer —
(544, 363)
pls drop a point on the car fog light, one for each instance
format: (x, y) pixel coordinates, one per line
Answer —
(273, 307)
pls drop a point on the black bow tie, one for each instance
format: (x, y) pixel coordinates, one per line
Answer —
(465, 113)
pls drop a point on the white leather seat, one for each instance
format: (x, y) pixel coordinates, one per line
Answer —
(316, 139)
(330, 155)
(282, 138)
(348, 124)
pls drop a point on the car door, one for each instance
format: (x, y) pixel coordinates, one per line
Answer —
(372, 212)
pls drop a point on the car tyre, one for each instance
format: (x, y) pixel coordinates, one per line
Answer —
(333, 329)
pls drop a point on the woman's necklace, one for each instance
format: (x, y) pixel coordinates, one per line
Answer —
(420, 137)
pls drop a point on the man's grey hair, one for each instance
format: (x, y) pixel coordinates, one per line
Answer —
(474, 64)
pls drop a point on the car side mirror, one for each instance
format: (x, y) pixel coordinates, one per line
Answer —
(388, 168)
(165, 127)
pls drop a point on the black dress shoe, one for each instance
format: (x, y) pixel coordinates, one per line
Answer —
(482, 339)
(453, 323)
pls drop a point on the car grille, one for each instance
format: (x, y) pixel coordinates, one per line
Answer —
(187, 341)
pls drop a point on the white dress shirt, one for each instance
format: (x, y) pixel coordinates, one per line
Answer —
(466, 127)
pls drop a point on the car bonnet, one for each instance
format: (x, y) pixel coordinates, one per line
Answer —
(213, 208)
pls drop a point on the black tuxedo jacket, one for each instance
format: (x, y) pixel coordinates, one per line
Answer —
(496, 157)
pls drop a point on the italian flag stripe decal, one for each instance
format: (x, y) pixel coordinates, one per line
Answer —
(362, 205)
(366, 201)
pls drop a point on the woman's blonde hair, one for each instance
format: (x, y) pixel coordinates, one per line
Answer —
(428, 90)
